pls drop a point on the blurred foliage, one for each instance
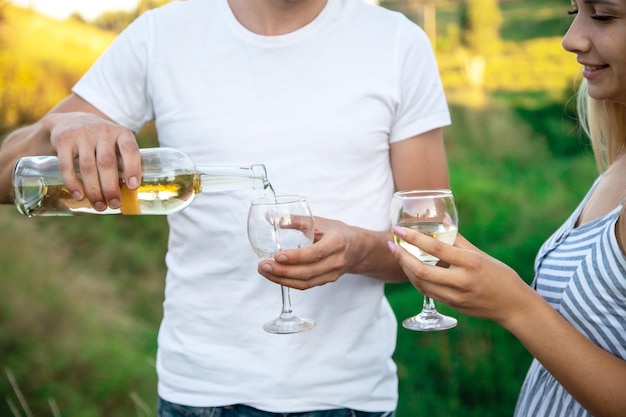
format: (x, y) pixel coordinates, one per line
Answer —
(40, 60)
(514, 184)
(480, 26)
(116, 21)
(82, 296)
(527, 57)
(534, 19)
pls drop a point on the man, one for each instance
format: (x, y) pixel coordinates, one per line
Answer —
(342, 102)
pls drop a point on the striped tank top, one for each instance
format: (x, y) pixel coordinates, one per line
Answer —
(581, 272)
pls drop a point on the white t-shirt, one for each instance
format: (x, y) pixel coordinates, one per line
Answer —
(319, 107)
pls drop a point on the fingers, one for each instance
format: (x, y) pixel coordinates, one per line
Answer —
(301, 277)
(130, 158)
(91, 153)
(99, 171)
(430, 280)
(303, 268)
(294, 281)
(302, 223)
(442, 251)
(426, 276)
(67, 166)
(108, 174)
(475, 283)
(113, 160)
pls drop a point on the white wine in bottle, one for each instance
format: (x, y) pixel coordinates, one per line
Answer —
(170, 181)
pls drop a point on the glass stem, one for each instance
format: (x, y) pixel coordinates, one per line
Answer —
(429, 306)
(286, 311)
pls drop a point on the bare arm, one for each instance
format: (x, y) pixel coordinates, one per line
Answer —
(481, 286)
(74, 129)
(418, 162)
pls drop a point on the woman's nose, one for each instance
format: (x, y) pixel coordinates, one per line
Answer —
(575, 39)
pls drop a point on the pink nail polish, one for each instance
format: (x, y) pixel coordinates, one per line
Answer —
(399, 231)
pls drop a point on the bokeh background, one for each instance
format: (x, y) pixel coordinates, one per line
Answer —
(80, 298)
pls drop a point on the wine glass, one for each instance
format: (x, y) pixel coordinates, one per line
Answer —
(276, 224)
(434, 213)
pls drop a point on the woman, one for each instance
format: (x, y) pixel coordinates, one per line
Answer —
(574, 319)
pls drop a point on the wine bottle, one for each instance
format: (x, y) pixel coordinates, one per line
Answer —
(170, 182)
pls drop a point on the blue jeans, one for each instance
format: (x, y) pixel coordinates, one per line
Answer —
(167, 409)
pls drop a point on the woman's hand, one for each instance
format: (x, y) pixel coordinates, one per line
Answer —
(474, 283)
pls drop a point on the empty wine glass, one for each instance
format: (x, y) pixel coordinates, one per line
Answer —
(432, 212)
(277, 224)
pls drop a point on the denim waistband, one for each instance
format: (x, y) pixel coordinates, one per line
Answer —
(168, 409)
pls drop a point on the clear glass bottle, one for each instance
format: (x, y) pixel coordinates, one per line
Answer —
(170, 181)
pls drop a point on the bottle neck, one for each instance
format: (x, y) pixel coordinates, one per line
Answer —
(230, 178)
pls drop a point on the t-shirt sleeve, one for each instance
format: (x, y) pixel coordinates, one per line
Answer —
(422, 105)
(117, 83)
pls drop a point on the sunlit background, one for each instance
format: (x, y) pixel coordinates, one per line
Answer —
(81, 296)
(89, 9)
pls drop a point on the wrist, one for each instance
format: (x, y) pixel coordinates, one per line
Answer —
(371, 256)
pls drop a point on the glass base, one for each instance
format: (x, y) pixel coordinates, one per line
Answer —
(429, 321)
(288, 324)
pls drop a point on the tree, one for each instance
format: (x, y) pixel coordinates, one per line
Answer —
(480, 26)
(116, 21)
(145, 5)
(480, 35)
(2, 5)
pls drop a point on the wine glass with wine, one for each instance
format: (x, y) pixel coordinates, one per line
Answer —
(432, 212)
(277, 224)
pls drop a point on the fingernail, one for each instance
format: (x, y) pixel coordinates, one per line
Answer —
(266, 268)
(281, 258)
(115, 203)
(133, 182)
(392, 247)
(77, 196)
(399, 230)
(100, 206)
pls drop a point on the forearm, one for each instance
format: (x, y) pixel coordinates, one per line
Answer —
(30, 140)
(593, 376)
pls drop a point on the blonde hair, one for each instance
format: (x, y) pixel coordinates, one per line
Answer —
(605, 123)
